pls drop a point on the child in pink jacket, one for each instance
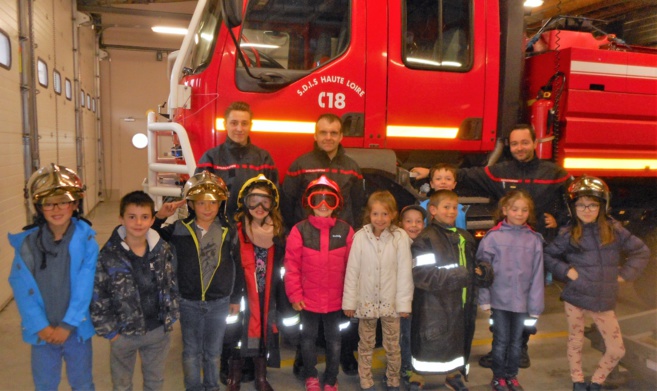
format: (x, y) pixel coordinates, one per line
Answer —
(315, 263)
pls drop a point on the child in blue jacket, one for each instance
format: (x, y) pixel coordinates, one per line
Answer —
(52, 277)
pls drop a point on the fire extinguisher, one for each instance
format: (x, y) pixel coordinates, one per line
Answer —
(541, 119)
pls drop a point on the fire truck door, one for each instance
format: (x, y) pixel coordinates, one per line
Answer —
(437, 64)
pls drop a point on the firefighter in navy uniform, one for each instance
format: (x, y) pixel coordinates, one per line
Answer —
(327, 158)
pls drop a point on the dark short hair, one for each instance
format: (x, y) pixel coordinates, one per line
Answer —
(238, 106)
(138, 198)
(443, 166)
(529, 127)
(330, 117)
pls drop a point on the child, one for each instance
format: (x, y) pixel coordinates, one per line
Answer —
(442, 176)
(444, 307)
(315, 262)
(209, 288)
(515, 253)
(260, 245)
(135, 302)
(593, 254)
(379, 285)
(412, 221)
(52, 279)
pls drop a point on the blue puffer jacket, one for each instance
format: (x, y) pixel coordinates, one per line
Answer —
(596, 288)
(516, 254)
(83, 251)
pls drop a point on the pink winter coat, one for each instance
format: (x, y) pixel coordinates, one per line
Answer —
(316, 256)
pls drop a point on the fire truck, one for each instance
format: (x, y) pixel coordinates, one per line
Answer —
(415, 82)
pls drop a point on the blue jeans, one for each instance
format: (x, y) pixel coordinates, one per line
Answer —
(310, 322)
(405, 344)
(47, 364)
(203, 324)
(507, 342)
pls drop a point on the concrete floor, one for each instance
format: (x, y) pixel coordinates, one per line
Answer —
(549, 369)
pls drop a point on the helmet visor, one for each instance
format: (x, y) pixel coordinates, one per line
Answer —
(255, 200)
(317, 198)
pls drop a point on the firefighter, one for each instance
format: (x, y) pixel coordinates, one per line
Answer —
(328, 158)
(237, 159)
(543, 180)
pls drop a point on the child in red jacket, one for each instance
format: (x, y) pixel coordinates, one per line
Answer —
(315, 263)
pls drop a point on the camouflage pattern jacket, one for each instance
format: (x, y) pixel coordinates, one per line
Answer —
(115, 306)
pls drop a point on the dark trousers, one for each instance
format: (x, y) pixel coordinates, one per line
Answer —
(310, 322)
(507, 342)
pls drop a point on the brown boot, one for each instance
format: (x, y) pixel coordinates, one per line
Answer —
(234, 374)
(261, 383)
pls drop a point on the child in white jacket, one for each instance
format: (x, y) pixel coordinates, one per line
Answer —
(379, 285)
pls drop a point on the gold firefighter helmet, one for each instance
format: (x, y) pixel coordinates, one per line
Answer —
(54, 183)
(205, 186)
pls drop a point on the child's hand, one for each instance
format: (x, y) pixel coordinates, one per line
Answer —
(233, 309)
(572, 274)
(404, 314)
(60, 335)
(169, 208)
(299, 305)
(550, 221)
(485, 308)
(478, 271)
(46, 333)
(349, 313)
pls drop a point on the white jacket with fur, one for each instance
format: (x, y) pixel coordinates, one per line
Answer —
(379, 280)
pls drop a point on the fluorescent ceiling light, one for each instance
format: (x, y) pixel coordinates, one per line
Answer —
(259, 45)
(169, 30)
(533, 3)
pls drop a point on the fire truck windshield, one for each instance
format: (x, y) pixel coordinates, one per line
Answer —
(294, 35)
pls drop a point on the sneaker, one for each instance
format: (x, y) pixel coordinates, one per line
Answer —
(312, 384)
(486, 361)
(580, 386)
(331, 388)
(513, 384)
(454, 382)
(499, 384)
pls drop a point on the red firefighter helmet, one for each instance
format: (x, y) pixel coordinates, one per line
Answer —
(316, 194)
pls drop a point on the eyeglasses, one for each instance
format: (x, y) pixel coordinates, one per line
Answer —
(252, 201)
(591, 207)
(60, 205)
(317, 198)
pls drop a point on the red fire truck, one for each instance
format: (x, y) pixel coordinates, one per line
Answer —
(415, 82)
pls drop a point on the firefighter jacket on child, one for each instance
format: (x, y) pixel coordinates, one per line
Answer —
(444, 301)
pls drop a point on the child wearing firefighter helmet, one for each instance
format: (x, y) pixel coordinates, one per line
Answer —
(52, 277)
(315, 263)
(209, 279)
(593, 254)
(259, 245)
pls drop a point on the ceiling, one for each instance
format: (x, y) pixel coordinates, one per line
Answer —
(127, 22)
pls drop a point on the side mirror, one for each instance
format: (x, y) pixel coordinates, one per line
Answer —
(232, 10)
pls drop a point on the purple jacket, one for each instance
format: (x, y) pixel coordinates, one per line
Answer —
(516, 254)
